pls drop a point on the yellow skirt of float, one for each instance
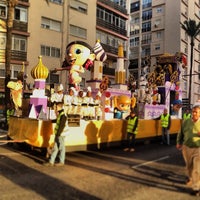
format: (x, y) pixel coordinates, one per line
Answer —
(39, 133)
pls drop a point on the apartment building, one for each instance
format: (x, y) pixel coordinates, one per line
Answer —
(45, 29)
(155, 29)
(20, 36)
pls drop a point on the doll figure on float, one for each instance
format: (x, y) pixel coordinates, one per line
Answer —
(78, 57)
(122, 104)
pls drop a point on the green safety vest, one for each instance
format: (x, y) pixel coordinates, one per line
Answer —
(9, 113)
(130, 125)
(165, 120)
(186, 116)
(58, 122)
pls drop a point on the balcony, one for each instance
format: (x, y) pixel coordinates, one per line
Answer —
(112, 27)
(111, 49)
(108, 71)
(20, 26)
(114, 5)
(18, 55)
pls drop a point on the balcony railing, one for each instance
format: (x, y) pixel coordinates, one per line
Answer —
(108, 71)
(111, 49)
(20, 26)
(102, 23)
(114, 5)
(24, 1)
(18, 55)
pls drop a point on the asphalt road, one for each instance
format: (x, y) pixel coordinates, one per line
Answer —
(152, 172)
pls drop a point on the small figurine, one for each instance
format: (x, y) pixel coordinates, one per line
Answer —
(122, 104)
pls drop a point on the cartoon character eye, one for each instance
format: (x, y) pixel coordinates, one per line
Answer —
(77, 51)
(121, 105)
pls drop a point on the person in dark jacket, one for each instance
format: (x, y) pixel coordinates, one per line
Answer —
(132, 130)
(60, 132)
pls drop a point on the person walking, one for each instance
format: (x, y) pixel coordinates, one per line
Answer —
(132, 130)
(60, 132)
(188, 140)
(165, 119)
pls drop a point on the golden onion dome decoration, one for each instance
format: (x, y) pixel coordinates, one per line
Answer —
(40, 71)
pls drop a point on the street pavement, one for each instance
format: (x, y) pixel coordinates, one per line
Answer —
(152, 172)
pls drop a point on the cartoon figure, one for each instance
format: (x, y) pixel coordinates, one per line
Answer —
(78, 56)
(155, 96)
(16, 94)
(122, 104)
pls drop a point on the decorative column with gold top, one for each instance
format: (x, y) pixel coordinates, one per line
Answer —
(38, 99)
(120, 71)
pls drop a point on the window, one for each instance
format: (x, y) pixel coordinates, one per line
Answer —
(19, 43)
(110, 39)
(3, 11)
(135, 6)
(50, 51)
(15, 69)
(50, 24)
(56, 1)
(146, 38)
(146, 15)
(78, 31)
(146, 26)
(159, 10)
(134, 42)
(79, 6)
(158, 35)
(21, 14)
(52, 78)
(2, 42)
(2, 71)
(146, 3)
(157, 23)
(111, 18)
(157, 47)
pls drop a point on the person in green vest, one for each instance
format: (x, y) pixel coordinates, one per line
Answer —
(60, 131)
(165, 119)
(9, 112)
(187, 114)
(132, 130)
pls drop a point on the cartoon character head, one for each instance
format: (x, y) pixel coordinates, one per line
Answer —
(122, 102)
(79, 55)
(78, 52)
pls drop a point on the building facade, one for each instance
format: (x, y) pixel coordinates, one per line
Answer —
(47, 28)
(155, 29)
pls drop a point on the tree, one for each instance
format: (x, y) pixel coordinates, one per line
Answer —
(192, 29)
(9, 26)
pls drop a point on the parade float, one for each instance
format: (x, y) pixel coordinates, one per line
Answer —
(160, 89)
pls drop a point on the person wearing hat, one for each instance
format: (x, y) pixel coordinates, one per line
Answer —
(132, 130)
(80, 97)
(188, 141)
(58, 96)
(88, 103)
(98, 106)
(68, 99)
